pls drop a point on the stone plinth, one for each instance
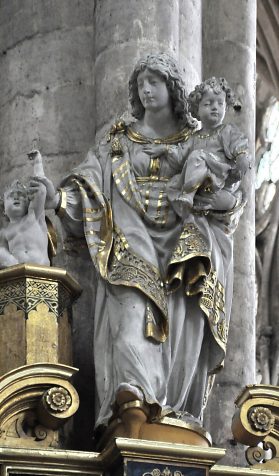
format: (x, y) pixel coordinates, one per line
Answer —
(35, 326)
(133, 424)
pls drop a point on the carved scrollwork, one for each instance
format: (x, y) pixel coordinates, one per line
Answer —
(256, 423)
(57, 399)
(254, 454)
(40, 432)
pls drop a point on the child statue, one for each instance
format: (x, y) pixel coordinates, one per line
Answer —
(216, 156)
(25, 237)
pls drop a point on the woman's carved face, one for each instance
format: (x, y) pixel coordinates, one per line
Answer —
(153, 91)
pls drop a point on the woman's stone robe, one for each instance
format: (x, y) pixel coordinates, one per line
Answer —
(165, 287)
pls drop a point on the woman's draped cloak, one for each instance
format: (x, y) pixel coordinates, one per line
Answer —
(160, 280)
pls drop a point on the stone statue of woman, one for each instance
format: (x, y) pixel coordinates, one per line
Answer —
(165, 288)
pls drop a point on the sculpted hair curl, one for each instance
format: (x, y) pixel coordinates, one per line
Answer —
(16, 185)
(165, 66)
(212, 84)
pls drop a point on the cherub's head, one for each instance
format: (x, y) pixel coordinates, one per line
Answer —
(209, 100)
(164, 68)
(16, 201)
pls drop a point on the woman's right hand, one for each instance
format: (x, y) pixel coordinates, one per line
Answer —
(154, 150)
(52, 196)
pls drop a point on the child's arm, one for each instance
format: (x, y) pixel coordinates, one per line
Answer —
(37, 199)
(37, 195)
(236, 148)
(38, 163)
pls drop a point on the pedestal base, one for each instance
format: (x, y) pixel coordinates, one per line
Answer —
(134, 424)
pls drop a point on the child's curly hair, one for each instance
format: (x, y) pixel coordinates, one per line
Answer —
(214, 84)
(16, 185)
(165, 66)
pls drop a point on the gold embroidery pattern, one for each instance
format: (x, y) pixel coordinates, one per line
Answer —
(191, 243)
(128, 269)
(222, 331)
(27, 295)
(212, 303)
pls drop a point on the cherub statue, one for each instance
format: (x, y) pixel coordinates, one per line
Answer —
(24, 238)
(216, 156)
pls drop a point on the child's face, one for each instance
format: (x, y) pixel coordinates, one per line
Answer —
(16, 203)
(212, 108)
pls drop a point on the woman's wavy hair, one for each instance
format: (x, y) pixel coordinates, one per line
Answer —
(217, 85)
(165, 66)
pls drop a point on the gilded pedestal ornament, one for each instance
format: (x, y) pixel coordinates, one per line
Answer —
(256, 423)
(36, 396)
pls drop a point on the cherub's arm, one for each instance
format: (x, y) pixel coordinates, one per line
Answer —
(37, 197)
(37, 193)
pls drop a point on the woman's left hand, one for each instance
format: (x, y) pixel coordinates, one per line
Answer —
(221, 200)
(155, 150)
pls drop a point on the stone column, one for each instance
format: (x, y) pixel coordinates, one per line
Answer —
(125, 31)
(46, 89)
(190, 41)
(46, 93)
(229, 50)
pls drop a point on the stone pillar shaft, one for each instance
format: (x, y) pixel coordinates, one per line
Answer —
(124, 31)
(229, 50)
(190, 41)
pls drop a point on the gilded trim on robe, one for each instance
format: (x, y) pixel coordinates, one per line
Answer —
(97, 221)
(191, 244)
(133, 193)
(199, 279)
(181, 136)
(212, 303)
(128, 269)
